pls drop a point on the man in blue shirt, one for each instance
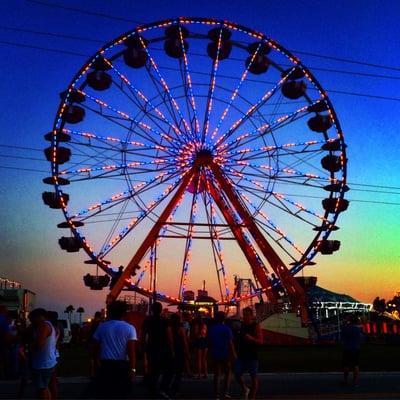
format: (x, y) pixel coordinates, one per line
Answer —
(220, 340)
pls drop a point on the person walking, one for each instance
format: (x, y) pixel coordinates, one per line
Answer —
(5, 339)
(52, 317)
(91, 343)
(116, 352)
(220, 339)
(42, 352)
(250, 338)
(181, 352)
(351, 340)
(199, 329)
(157, 342)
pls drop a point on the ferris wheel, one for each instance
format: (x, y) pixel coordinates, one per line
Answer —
(193, 148)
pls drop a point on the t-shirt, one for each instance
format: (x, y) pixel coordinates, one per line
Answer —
(4, 329)
(113, 336)
(351, 337)
(219, 337)
(155, 328)
(4, 326)
(247, 349)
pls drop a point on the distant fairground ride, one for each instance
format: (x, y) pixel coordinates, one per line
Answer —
(195, 128)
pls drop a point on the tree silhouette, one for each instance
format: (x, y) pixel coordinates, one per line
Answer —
(80, 311)
(393, 306)
(69, 310)
(379, 305)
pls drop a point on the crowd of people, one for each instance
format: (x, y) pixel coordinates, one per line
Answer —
(165, 346)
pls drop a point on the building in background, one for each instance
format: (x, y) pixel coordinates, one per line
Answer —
(18, 300)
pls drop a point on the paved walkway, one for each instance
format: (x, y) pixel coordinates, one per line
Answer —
(298, 386)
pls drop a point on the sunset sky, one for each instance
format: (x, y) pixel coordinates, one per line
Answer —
(368, 263)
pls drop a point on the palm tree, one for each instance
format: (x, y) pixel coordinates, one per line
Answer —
(69, 310)
(80, 311)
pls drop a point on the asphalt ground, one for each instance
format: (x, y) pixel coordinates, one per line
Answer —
(298, 386)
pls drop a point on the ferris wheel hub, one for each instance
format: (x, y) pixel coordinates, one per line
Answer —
(203, 157)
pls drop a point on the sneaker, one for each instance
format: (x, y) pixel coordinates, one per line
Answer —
(164, 395)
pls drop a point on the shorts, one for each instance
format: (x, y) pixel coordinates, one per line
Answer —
(41, 377)
(113, 380)
(242, 366)
(351, 358)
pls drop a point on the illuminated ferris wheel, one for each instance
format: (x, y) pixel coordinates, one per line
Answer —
(196, 147)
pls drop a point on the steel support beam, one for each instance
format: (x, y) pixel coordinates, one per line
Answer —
(150, 238)
(249, 252)
(294, 289)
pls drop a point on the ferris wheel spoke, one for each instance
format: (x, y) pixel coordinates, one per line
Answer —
(84, 157)
(272, 225)
(95, 155)
(145, 128)
(278, 204)
(188, 83)
(260, 151)
(217, 264)
(267, 230)
(116, 221)
(102, 210)
(99, 206)
(166, 88)
(267, 152)
(284, 200)
(306, 161)
(184, 136)
(135, 221)
(142, 273)
(266, 129)
(216, 245)
(189, 240)
(88, 139)
(300, 207)
(252, 110)
(287, 154)
(142, 133)
(260, 271)
(211, 89)
(291, 181)
(235, 93)
(262, 156)
(154, 183)
(112, 167)
(156, 121)
(98, 150)
(140, 95)
(260, 169)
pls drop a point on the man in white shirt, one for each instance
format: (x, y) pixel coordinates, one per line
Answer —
(116, 350)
